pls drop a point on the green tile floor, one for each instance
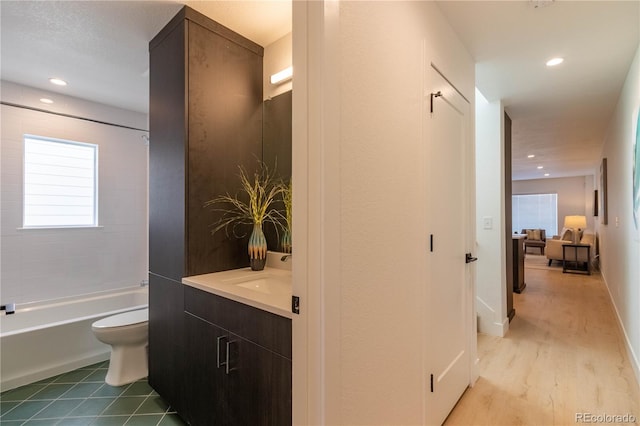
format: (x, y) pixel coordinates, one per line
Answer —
(81, 397)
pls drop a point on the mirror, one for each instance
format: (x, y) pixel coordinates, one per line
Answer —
(276, 150)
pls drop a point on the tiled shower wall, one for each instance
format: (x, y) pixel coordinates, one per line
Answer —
(52, 263)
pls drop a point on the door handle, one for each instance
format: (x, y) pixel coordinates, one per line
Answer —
(469, 258)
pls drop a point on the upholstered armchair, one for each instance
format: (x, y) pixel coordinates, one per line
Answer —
(535, 238)
(554, 246)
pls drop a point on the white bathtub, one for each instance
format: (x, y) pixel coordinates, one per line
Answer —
(46, 338)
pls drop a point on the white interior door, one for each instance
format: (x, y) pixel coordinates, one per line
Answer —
(447, 344)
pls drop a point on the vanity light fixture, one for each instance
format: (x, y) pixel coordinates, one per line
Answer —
(554, 61)
(57, 81)
(540, 167)
(531, 156)
(282, 76)
(46, 101)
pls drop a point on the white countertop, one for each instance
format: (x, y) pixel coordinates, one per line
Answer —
(269, 289)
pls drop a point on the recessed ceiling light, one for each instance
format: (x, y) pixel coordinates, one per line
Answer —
(537, 4)
(540, 167)
(546, 174)
(58, 81)
(531, 156)
(46, 101)
(554, 61)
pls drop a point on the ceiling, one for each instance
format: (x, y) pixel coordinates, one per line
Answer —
(559, 114)
(101, 47)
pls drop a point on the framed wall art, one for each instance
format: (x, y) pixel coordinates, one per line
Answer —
(636, 176)
(603, 193)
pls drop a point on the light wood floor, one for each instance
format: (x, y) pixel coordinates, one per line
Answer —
(563, 355)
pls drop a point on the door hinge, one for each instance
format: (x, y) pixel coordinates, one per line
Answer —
(432, 383)
(435, 95)
(295, 305)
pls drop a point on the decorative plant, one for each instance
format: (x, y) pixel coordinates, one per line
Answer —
(286, 231)
(254, 209)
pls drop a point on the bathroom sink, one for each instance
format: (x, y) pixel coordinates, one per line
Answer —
(269, 289)
(262, 282)
(262, 285)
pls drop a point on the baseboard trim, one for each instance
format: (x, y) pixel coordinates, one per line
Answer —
(485, 320)
(475, 372)
(498, 329)
(505, 326)
(635, 361)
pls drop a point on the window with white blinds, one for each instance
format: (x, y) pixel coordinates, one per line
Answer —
(60, 183)
(535, 211)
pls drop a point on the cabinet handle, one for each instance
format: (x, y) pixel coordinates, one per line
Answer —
(226, 364)
(218, 363)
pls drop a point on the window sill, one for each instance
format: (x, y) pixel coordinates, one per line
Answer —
(36, 228)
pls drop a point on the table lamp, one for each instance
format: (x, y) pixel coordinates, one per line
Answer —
(576, 223)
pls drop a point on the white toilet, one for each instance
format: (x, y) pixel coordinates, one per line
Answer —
(128, 335)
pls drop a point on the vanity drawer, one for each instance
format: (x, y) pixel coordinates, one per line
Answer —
(268, 330)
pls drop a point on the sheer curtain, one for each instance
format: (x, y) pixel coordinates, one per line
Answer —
(539, 211)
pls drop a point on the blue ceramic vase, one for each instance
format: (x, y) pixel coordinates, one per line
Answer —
(257, 248)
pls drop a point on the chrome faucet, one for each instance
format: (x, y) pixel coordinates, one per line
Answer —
(285, 257)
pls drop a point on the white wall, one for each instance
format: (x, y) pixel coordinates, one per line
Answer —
(52, 263)
(361, 205)
(30, 97)
(620, 243)
(575, 195)
(277, 56)
(491, 272)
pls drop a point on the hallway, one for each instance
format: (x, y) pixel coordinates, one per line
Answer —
(563, 355)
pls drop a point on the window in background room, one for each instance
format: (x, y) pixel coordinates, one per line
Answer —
(535, 211)
(60, 183)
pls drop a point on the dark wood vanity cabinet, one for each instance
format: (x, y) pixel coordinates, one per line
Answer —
(259, 385)
(205, 382)
(239, 363)
(205, 119)
(166, 339)
(166, 224)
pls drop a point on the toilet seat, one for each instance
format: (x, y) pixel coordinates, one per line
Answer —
(124, 319)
